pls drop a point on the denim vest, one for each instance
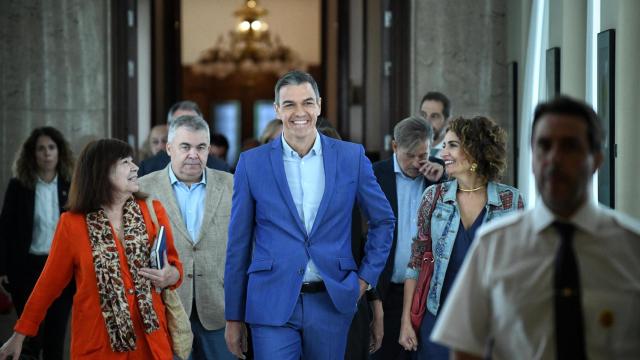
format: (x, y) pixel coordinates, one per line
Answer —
(501, 200)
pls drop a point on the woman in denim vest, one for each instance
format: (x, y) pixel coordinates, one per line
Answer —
(474, 153)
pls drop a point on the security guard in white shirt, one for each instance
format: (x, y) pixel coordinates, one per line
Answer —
(561, 280)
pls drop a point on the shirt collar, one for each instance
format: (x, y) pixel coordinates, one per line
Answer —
(288, 151)
(492, 193)
(52, 182)
(174, 179)
(396, 166)
(586, 218)
(398, 170)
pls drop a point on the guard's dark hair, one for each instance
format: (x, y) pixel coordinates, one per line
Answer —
(565, 105)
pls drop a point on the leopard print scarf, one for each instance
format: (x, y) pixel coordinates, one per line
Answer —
(113, 300)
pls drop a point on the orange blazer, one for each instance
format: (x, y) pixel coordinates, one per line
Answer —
(70, 257)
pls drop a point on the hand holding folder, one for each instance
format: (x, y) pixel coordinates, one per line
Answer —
(159, 249)
(158, 260)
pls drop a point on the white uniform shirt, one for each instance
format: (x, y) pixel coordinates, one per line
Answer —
(504, 291)
(45, 216)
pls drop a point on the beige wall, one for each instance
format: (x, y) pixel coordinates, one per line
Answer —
(297, 22)
(567, 29)
(623, 15)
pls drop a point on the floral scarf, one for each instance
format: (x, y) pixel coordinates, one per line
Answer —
(113, 300)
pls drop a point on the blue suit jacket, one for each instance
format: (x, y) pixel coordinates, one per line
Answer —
(268, 247)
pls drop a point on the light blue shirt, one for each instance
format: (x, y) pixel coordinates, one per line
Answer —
(409, 192)
(45, 216)
(190, 202)
(305, 177)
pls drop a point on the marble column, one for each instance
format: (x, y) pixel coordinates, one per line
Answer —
(54, 70)
(458, 47)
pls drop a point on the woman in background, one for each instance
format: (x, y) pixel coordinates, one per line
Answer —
(271, 131)
(103, 242)
(474, 154)
(32, 206)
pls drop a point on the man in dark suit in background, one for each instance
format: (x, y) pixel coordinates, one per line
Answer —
(161, 159)
(366, 331)
(403, 178)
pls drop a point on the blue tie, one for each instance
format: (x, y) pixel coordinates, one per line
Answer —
(568, 306)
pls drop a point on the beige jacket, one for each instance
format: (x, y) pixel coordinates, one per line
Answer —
(204, 262)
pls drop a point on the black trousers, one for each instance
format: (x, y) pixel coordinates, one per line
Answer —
(392, 306)
(51, 335)
(358, 338)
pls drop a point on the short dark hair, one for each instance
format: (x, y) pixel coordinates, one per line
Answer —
(485, 142)
(91, 187)
(295, 77)
(219, 140)
(565, 105)
(25, 167)
(183, 105)
(438, 96)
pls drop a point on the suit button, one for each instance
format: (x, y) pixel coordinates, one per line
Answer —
(301, 271)
(190, 276)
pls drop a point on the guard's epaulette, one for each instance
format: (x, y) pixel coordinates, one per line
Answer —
(501, 222)
(625, 221)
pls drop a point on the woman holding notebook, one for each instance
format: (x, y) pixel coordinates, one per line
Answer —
(104, 242)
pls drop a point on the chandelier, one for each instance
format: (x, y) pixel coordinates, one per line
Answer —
(248, 49)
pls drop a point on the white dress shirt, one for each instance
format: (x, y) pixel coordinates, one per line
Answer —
(46, 212)
(190, 200)
(305, 176)
(504, 291)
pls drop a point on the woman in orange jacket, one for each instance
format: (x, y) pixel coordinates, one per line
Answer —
(103, 242)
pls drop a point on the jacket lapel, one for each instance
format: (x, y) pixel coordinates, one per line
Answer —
(389, 186)
(170, 204)
(30, 208)
(63, 194)
(329, 159)
(277, 164)
(212, 200)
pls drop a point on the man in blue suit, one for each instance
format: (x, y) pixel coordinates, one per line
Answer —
(289, 272)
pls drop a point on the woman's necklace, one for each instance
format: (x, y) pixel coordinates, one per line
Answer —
(471, 190)
(116, 227)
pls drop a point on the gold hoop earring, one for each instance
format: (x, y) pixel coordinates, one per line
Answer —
(473, 167)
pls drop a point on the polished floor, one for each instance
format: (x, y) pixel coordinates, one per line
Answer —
(6, 328)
